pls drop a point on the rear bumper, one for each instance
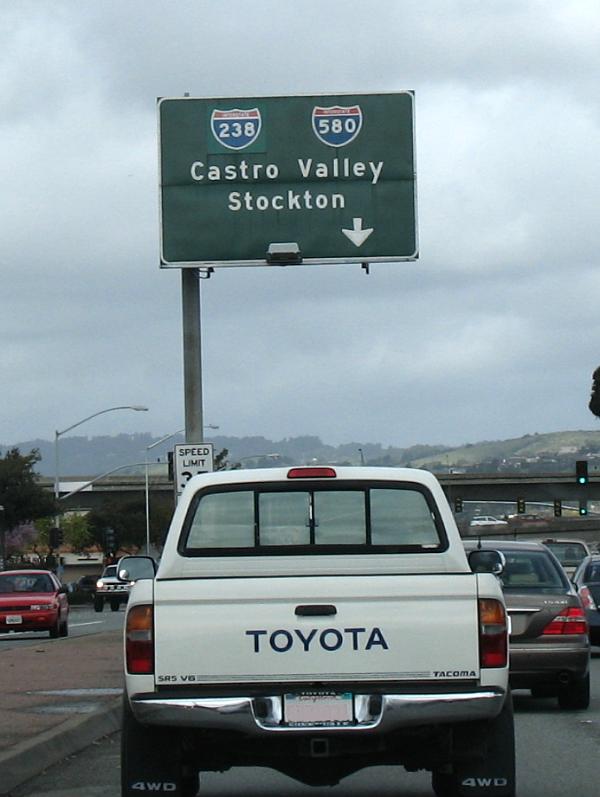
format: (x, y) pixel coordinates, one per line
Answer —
(30, 621)
(113, 595)
(545, 664)
(258, 716)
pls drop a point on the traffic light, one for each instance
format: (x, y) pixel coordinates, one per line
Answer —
(521, 506)
(458, 505)
(56, 537)
(110, 539)
(583, 510)
(581, 471)
(557, 507)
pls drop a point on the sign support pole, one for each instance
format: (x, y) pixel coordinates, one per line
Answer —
(192, 355)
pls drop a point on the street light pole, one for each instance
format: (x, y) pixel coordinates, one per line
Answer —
(97, 479)
(57, 435)
(153, 445)
(2, 539)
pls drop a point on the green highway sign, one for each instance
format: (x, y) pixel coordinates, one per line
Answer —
(274, 180)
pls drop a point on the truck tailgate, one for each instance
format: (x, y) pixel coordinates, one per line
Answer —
(240, 630)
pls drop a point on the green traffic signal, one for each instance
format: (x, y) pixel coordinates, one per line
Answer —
(581, 471)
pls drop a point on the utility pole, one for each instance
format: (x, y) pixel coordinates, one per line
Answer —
(192, 355)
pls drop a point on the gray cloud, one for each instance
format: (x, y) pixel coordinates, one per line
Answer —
(492, 333)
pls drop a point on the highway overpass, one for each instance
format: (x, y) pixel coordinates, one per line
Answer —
(470, 487)
(473, 489)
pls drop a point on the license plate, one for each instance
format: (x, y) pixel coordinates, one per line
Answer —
(308, 709)
(13, 619)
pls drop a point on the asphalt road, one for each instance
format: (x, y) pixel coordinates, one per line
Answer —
(83, 620)
(558, 755)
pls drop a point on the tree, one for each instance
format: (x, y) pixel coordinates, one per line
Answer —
(221, 462)
(22, 498)
(75, 529)
(594, 404)
(19, 538)
(128, 519)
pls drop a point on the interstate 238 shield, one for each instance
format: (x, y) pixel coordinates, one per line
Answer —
(235, 129)
(337, 126)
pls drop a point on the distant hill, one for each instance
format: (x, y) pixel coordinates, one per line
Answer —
(551, 451)
(88, 456)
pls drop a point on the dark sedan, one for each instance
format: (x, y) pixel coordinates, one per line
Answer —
(587, 580)
(33, 600)
(549, 643)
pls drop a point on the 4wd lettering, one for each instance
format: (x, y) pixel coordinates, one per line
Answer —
(455, 674)
(329, 639)
(477, 783)
(154, 785)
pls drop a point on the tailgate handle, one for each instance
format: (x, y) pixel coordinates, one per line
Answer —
(314, 610)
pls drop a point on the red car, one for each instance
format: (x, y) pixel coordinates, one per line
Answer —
(33, 600)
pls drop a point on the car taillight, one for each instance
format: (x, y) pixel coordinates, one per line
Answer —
(570, 621)
(587, 599)
(493, 633)
(311, 473)
(139, 640)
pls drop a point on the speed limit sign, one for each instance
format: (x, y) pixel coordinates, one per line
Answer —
(190, 460)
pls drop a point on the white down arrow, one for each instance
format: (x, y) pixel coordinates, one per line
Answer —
(357, 235)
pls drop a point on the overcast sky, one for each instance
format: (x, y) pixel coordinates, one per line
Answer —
(494, 332)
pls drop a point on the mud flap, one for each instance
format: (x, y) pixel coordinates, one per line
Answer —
(150, 760)
(495, 773)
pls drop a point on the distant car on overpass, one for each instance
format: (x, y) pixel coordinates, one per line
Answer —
(528, 520)
(487, 520)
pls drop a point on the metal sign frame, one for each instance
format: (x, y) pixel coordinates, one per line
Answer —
(356, 179)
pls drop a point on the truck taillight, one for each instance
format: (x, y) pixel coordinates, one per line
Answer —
(570, 621)
(139, 640)
(493, 633)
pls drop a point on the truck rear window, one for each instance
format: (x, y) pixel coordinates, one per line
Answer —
(270, 519)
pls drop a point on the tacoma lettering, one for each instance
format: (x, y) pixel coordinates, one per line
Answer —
(455, 673)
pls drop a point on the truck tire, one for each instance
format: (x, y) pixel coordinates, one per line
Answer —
(495, 774)
(575, 695)
(191, 785)
(98, 604)
(443, 784)
(151, 760)
(114, 606)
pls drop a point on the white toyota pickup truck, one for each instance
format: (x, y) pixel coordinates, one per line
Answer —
(316, 620)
